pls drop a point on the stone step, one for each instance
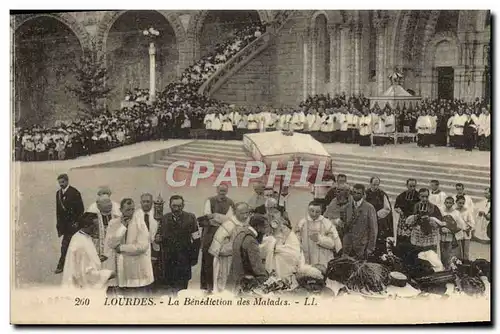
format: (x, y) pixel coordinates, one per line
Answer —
(423, 178)
(233, 151)
(428, 167)
(227, 155)
(403, 161)
(217, 143)
(235, 145)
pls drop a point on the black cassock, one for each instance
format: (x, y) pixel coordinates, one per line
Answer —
(180, 245)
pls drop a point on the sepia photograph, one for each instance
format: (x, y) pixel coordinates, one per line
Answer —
(250, 166)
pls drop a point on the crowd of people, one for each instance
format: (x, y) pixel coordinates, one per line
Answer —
(172, 111)
(329, 120)
(179, 109)
(131, 249)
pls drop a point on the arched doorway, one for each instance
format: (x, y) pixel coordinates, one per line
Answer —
(445, 59)
(320, 55)
(128, 56)
(45, 53)
(219, 25)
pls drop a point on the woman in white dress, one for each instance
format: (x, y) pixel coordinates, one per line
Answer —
(482, 217)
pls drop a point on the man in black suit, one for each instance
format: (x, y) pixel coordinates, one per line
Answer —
(179, 238)
(69, 207)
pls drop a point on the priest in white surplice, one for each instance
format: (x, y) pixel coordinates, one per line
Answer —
(129, 246)
(423, 127)
(458, 128)
(318, 236)
(82, 267)
(298, 120)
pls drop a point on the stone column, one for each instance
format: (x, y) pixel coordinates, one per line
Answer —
(152, 72)
(305, 69)
(380, 26)
(344, 59)
(334, 60)
(314, 49)
(357, 30)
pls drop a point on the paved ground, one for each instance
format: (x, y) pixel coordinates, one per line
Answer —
(36, 246)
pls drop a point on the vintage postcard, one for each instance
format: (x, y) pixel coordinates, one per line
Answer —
(251, 166)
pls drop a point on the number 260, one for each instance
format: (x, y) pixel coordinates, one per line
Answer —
(82, 301)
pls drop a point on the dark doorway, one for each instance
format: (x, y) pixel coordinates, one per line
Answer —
(445, 82)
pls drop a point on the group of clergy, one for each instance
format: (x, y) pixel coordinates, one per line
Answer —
(429, 219)
(342, 124)
(464, 129)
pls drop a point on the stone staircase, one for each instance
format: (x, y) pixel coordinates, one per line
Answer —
(392, 172)
(244, 56)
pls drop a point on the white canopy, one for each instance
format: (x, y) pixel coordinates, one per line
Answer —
(275, 146)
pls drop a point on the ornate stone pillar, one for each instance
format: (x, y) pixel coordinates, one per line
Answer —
(344, 59)
(334, 60)
(314, 50)
(380, 26)
(305, 57)
(357, 30)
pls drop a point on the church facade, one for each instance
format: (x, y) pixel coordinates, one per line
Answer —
(442, 54)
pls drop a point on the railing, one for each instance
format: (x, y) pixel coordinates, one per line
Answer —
(245, 55)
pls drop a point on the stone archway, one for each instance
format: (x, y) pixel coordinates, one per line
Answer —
(127, 56)
(45, 50)
(196, 24)
(110, 17)
(320, 52)
(195, 28)
(429, 73)
(66, 18)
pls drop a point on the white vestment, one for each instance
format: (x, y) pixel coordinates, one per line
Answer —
(458, 124)
(282, 255)
(133, 263)
(484, 125)
(481, 221)
(321, 251)
(115, 213)
(221, 249)
(82, 267)
(365, 128)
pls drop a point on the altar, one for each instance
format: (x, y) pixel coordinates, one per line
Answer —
(282, 147)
